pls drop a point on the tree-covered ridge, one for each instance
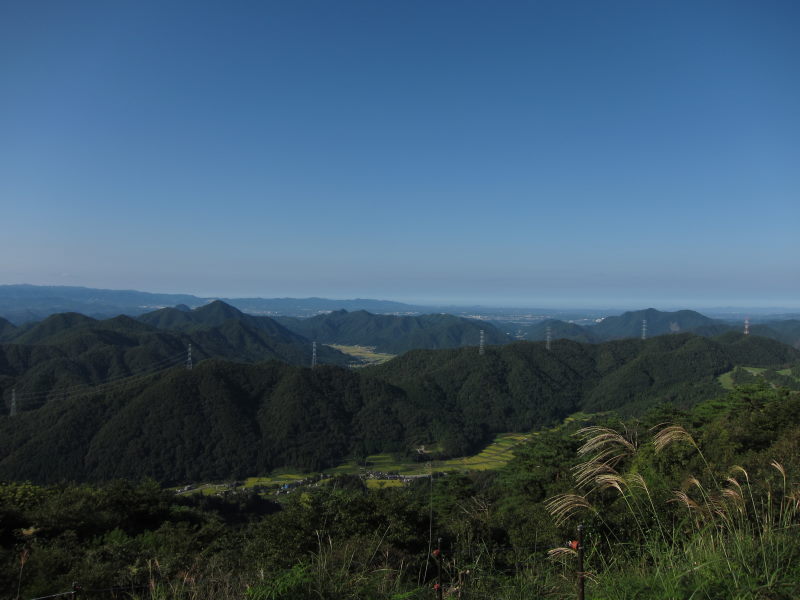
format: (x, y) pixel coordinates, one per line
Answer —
(709, 511)
(57, 356)
(7, 329)
(613, 375)
(629, 325)
(394, 334)
(225, 419)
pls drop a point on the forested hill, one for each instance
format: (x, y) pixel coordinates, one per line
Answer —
(623, 375)
(217, 314)
(225, 419)
(66, 352)
(7, 329)
(394, 334)
(786, 331)
(629, 325)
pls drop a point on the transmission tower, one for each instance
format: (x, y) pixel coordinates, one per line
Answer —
(13, 411)
(549, 337)
(747, 326)
(644, 329)
(189, 358)
(480, 348)
(313, 354)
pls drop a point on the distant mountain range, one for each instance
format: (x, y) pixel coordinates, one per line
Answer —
(103, 398)
(655, 323)
(68, 352)
(24, 303)
(387, 333)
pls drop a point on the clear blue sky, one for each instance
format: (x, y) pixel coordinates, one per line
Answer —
(533, 153)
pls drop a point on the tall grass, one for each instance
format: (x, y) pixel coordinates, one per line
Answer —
(730, 537)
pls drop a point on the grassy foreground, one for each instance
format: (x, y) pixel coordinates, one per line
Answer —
(676, 505)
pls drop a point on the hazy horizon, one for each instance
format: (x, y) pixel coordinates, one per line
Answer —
(554, 305)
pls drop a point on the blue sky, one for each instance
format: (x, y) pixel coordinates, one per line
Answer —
(527, 153)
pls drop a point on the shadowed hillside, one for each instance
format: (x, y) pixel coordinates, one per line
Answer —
(225, 419)
(394, 334)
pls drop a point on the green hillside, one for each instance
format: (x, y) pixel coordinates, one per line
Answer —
(65, 354)
(7, 329)
(629, 324)
(673, 504)
(225, 419)
(394, 334)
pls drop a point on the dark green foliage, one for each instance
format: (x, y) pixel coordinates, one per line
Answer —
(66, 353)
(394, 334)
(341, 541)
(7, 330)
(225, 419)
(786, 331)
(756, 351)
(629, 324)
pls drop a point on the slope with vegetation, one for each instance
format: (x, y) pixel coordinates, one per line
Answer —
(629, 325)
(66, 354)
(394, 334)
(225, 419)
(675, 504)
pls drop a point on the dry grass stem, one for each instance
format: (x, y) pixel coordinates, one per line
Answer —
(601, 438)
(558, 553)
(564, 506)
(670, 434)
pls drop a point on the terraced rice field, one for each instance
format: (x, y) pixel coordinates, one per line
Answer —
(726, 379)
(277, 479)
(494, 456)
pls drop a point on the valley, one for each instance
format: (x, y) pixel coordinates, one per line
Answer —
(204, 439)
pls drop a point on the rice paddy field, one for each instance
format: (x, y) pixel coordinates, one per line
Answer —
(365, 355)
(494, 456)
(726, 379)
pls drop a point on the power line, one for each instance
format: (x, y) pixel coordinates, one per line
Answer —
(94, 388)
(483, 340)
(81, 386)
